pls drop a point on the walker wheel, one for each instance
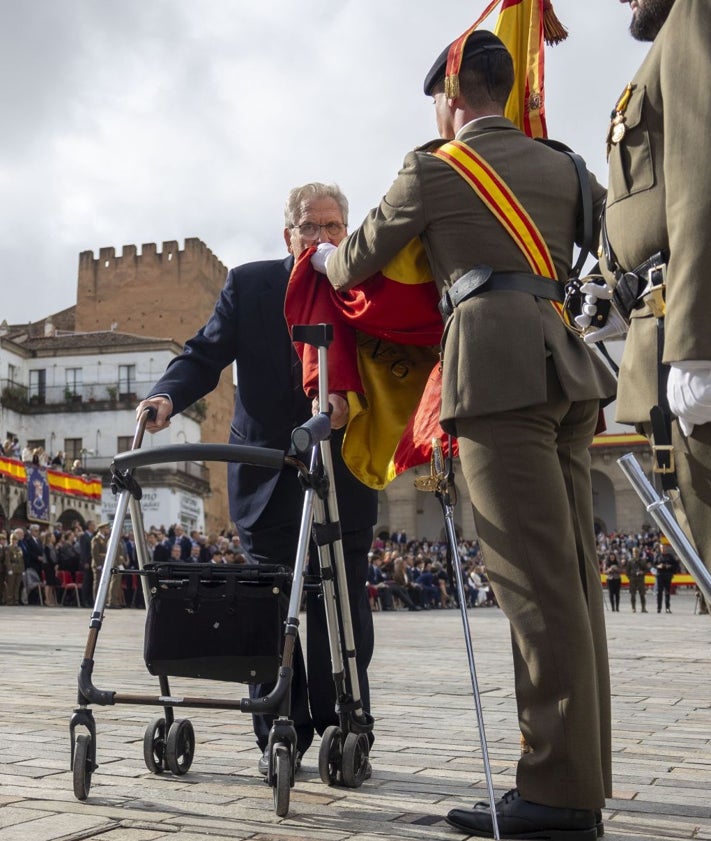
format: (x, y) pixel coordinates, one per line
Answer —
(180, 746)
(354, 767)
(329, 755)
(282, 780)
(82, 766)
(154, 746)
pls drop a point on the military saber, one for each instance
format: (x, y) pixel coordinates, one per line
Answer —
(660, 507)
(438, 481)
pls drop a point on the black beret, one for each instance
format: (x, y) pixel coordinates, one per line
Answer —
(479, 41)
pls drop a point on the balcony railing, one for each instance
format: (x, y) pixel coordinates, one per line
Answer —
(83, 397)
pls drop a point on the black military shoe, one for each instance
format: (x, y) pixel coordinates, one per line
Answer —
(519, 818)
(483, 805)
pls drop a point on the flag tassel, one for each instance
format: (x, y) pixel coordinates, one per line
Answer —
(553, 30)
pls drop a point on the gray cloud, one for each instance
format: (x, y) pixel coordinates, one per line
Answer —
(151, 121)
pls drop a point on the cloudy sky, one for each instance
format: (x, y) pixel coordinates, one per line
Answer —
(154, 120)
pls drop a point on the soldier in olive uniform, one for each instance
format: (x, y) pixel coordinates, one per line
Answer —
(14, 567)
(99, 545)
(522, 394)
(658, 220)
(636, 568)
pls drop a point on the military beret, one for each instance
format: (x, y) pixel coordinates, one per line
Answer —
(480, 41)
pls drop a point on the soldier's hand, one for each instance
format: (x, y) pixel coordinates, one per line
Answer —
(689, 393)
(162, 408)
(598, 299)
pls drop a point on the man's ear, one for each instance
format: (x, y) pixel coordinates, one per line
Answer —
(287, 240)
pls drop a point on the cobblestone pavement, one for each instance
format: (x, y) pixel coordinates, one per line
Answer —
(426, 758)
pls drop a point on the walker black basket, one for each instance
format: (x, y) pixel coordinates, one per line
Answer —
(216, 622)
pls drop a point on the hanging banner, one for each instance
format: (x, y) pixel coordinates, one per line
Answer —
(37, 493)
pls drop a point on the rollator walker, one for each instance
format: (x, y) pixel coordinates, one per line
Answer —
(234, 622)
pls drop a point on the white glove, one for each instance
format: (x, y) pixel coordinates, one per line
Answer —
(319, 259)
(689, 393)
(615, 326)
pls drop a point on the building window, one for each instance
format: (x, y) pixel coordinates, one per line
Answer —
(123, 443)
(127, 381)
(73, 382)
(38, 385)
(72, 449)
(13, 373)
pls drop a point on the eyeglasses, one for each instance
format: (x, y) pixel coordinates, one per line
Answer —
(310, 230)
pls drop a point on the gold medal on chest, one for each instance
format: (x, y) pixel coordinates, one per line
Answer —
(618, 128)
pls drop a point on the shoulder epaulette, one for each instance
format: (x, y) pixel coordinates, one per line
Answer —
(431, 145)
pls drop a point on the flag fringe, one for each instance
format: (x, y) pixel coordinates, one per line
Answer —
(553, 30)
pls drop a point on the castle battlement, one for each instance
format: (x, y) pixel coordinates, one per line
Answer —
(195, 251)
(166, 292)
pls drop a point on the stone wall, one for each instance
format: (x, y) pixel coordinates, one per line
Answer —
(162, 294)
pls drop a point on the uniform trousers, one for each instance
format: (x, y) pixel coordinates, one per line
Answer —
(693, 470)
(13, 582)
(528, 475)
(638, 585)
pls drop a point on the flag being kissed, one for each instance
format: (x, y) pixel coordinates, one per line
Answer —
(384, 353)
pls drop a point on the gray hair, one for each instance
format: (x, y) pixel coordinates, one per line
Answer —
(299, 195)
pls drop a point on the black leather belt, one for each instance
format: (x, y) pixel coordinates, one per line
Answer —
(484, 279)
(643, 285)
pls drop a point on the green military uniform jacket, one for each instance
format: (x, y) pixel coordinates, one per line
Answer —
(497, 343)
(659, 199)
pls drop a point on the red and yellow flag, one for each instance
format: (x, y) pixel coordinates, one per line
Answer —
(88, 487)
(386, 333)
(524, 26)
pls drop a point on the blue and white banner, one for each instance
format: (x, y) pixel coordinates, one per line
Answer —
(37, 493)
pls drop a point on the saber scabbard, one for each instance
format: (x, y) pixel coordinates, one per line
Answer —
(440, 482)
(660, 508)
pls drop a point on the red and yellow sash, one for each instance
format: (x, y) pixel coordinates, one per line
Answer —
(503, 204)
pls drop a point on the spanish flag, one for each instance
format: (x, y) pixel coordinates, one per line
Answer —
(386, 337)
(88, 487)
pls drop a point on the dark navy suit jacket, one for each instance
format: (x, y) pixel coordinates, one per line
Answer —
(248, 326)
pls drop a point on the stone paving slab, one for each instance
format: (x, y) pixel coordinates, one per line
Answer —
(426, 757)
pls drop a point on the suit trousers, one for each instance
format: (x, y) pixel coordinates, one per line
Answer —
(528, 475)
(313, 699)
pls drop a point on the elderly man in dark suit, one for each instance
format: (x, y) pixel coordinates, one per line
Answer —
(248, 327)
(522, 393)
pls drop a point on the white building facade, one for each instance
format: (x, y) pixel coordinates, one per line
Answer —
(76, 393)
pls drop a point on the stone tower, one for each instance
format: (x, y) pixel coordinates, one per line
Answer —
(166, 294)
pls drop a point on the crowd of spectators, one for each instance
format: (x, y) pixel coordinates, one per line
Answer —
(45, 553)
(10, 448)
(637, 556)
(417, 575)
(403, 574)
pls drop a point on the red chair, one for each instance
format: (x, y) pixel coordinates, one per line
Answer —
(67, 585)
